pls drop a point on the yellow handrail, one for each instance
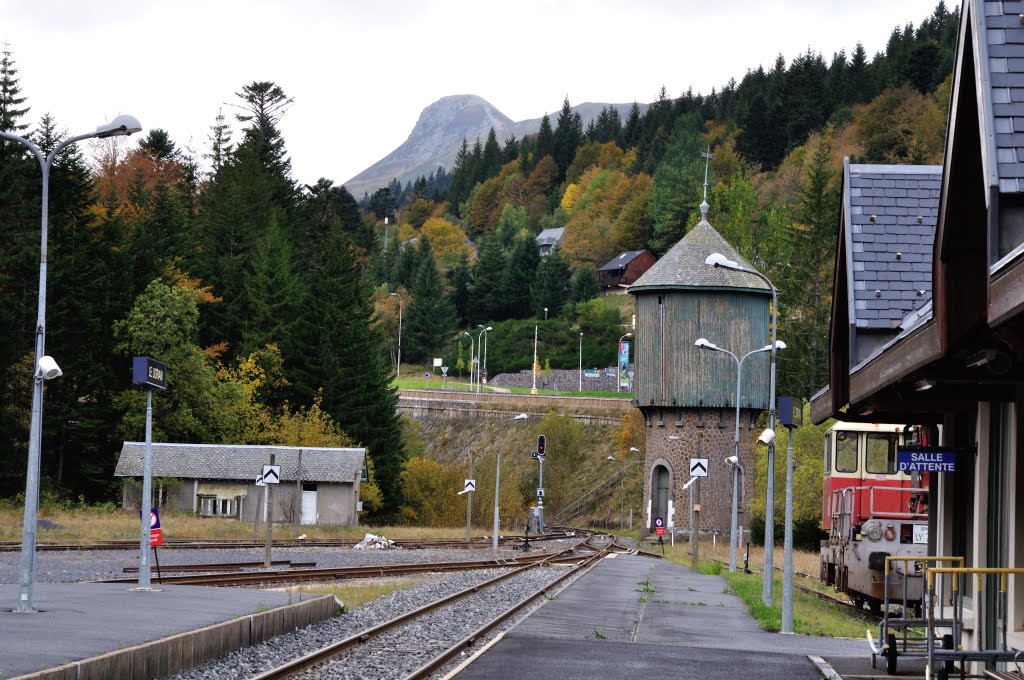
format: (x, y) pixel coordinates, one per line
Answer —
(919, 558)
(977, 571)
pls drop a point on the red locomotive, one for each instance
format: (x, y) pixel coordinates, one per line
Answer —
(871, 510)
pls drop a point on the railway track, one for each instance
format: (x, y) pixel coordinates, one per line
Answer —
(479, 543)
(583, 557)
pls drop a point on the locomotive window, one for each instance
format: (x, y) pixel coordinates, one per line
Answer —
(880, 457)
(846, 451)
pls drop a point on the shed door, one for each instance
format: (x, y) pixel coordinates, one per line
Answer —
(308, 513)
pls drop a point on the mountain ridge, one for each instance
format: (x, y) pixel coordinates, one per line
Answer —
(438, 133)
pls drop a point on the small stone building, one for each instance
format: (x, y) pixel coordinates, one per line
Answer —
(688, 395)
(320, 485)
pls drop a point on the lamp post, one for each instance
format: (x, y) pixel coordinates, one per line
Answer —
(622, 485)
(533, 389)
(398, 371)
(618, 365)
(479, 366)
(581, 362)
(710, 346)
(767, 596)
(545, 313)
(497, 482)
(484, 372)
(471, 345)
(120, 126)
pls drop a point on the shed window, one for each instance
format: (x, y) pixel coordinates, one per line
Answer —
(880, 456)
(846, 451)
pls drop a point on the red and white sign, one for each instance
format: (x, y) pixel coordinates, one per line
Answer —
(156, 534)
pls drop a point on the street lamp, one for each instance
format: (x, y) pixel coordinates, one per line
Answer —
(710, 346)
(471, 345)
(497, 481)
(398, 371)
(479, 366)
(622, 485)
(581, 362)
(545, 313)
(45, 370)
(618, 365)
(767, 596)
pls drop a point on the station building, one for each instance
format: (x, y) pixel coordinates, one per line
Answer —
(958, 360)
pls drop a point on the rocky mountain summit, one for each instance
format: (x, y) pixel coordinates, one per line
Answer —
(438, 134)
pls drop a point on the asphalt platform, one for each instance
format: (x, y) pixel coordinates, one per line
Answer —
(639, 617)
(83, 621)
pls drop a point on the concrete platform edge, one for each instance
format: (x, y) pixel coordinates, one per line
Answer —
(182, 651)
(825, 668)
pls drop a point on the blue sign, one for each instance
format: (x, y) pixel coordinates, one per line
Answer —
(658, 522)
(149, 373)
(925, 459)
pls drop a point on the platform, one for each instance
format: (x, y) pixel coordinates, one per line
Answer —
(99, 630)
(634, 616)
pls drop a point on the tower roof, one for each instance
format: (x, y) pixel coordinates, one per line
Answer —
(683, 265)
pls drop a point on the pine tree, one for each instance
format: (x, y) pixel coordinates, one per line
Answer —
(274, 295)
(585, 285)
(490, 162)
(459, 279)
(349, 362)
(430, 316)
(487, 298)
(551, 285)
(545, 144)
(220, 144)
(568, 137)
(518, 276)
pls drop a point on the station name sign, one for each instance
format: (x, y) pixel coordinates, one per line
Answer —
(149, 373)
(925, 459)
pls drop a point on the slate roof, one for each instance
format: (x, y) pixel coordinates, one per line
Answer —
(683, 265)
(550, 237)
(998, 27)
(890, 213)
(621, 260)
(221, 461)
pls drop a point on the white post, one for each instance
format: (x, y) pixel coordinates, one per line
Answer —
(787, 554)
(581, 362)
(533, 390)
(147, 496)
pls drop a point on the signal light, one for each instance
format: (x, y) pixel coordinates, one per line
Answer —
(541, 441)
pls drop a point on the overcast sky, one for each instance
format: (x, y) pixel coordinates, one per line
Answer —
(361, 72)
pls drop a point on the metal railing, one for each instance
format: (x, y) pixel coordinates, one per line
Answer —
(953, 644)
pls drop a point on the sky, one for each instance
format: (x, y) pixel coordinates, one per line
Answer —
(361, 72)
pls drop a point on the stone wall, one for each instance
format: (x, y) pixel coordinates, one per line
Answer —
(699, 433)
(561, 380)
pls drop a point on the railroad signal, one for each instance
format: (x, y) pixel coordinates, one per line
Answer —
(541, 442)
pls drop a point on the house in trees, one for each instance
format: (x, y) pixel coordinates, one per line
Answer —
(319, 485)
(957, 358)
(624, 269)
(548, 239)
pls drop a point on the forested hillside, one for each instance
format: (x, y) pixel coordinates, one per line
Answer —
(276, 304)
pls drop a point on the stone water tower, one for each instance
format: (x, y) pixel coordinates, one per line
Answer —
(688, 395)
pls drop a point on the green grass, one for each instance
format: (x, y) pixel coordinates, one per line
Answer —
(811, 616)
(462, 385)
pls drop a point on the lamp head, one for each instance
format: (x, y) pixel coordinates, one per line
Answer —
(521, 416)
(121, 126)
(719, 260)
(704, 343)
(633, 448)
(47, 369)
(611, 458)
(767, 437)
(489, 328)
(732, 460)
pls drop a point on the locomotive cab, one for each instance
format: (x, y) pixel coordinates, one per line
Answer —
(871, 511)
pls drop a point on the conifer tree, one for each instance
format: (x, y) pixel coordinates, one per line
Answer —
(545, 144)
(486, 295)
(585, 285)
(568, 137)
(518, 276)
(550, 286)
(459, 279)
(274, 296)
(430, 315)
(349, 362)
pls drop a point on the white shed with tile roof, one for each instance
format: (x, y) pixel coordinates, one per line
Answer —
(219, 479)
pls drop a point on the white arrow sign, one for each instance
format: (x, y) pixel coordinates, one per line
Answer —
(260, 482)
(470, 485)
(698, 467)
(272, 474)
